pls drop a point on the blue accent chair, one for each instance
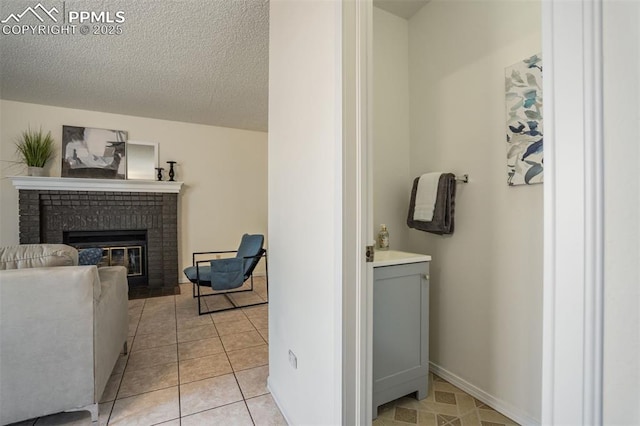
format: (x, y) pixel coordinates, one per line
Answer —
(226, 276)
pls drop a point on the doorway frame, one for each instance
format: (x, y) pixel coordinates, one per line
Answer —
(357, 311)
(572, 364)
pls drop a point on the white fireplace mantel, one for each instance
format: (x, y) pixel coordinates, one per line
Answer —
(99, 185)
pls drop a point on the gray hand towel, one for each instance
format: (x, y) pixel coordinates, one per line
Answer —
(442, 222)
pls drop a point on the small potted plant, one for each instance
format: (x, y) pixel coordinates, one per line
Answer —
(35, 149)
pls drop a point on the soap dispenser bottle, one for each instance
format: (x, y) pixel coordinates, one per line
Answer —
(383, 238)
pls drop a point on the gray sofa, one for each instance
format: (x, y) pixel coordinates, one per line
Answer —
(62, 329)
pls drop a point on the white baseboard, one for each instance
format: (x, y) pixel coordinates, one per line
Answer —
(275, 399)
(496, 403)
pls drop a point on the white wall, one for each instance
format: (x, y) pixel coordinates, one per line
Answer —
(391, 179)
(224, 171)
(305, 192)
(621, 52)
(486, 294)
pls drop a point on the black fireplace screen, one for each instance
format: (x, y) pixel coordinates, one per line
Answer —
(122, 248)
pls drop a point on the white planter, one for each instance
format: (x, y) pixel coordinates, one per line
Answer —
(35, 171)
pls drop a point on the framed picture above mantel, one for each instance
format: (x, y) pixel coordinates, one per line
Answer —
(94, 153)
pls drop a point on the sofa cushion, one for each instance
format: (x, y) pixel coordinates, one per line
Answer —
(37, 256)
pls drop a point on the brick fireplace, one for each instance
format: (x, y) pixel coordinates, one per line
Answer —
(52, 209)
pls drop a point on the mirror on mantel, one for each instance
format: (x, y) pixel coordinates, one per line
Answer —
(142, 160)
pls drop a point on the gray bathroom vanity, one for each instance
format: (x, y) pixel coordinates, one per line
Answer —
(400, 326)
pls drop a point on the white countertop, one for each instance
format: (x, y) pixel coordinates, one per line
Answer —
(394, 257)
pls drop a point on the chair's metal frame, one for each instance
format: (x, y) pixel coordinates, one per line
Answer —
(225, 293)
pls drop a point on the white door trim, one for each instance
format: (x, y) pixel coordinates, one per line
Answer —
(573, 213)
(357, 211)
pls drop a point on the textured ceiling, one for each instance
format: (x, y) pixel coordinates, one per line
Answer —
(198, 61)
(402, 8)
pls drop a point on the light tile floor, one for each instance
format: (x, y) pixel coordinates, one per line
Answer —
(186, 369)
(445, 405)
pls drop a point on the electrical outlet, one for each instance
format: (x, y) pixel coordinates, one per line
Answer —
(293, 359)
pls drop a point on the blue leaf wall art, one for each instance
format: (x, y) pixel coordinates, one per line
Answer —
(523, 95)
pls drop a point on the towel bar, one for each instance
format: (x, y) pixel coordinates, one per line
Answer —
(463, 179)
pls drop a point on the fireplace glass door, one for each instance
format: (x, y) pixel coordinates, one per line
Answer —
(130, 257)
